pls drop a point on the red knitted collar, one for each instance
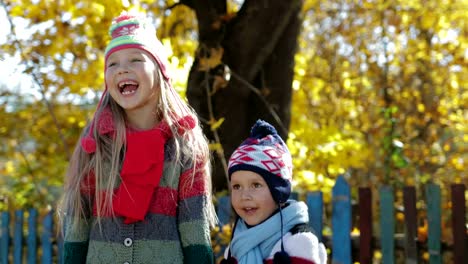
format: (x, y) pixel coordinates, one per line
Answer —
(143, 164)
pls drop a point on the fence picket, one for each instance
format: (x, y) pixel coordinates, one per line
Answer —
(409, 203)
(4, 238)
(433, 219)
(341, 222)
(18, 237)
(460, 248)
(365, 225)
(341, 240)
(387, 224)
(224, 210)
(60, 249)
(46, 238)
(314, 201)
(32, 236)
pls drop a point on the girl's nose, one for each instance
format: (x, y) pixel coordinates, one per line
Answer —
(122, 68)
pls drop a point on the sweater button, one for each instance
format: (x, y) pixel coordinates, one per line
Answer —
(128, 242)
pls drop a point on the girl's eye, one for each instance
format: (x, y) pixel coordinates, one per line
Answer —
(235, 187)
(257, 185)
(136, 60)
(111, 64)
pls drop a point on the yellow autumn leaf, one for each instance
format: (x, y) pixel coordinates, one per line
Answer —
(9, 167)
(215, 147)
(211, 58)
(215, 124)
(428, 20)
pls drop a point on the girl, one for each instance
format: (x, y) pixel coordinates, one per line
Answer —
(138, 186)
(269, 227)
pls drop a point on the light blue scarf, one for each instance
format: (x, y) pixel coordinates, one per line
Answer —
(253, 245)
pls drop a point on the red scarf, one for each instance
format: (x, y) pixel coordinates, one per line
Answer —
(142, 168)
(141, 172)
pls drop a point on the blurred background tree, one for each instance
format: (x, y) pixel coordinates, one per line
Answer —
(378, 92)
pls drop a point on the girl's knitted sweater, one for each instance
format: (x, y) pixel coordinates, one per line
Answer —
(175, 229)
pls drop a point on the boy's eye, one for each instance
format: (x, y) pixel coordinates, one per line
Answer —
(235, 187)
(257, 185)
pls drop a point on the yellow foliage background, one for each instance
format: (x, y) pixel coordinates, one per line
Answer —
(380, 90)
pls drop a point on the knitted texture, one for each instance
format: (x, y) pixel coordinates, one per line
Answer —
(140, 174)
(127, 31)
(265, 153)
(175, 229)
(136, 31)
(302, 248)
(75, 252)
(251, 245)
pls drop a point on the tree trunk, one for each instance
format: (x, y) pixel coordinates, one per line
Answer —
(258, 47)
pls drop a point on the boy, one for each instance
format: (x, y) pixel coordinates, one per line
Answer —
(269, 227)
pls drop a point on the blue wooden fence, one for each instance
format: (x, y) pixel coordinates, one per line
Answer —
(47, 238)
(41, 242)
(360, 249)
(387, 224)
(341, 222)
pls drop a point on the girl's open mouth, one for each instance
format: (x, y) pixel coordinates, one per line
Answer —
(128, 87)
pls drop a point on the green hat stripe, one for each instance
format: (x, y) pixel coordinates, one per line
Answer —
(124, 23)
(123, 40)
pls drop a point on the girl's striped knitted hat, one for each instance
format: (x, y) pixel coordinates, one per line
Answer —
(265, 153)
(136, 31)
(127, 31)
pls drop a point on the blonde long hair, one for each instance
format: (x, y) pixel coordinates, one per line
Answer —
(106, 162)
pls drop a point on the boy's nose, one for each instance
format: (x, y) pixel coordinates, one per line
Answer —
(246, 195)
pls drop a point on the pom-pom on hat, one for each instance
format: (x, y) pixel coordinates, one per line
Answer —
(265, 153)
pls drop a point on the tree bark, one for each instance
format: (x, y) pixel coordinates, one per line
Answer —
(259, 45)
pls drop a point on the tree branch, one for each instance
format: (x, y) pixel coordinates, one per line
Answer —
(262, 24)
(256, 91)
(209, 15)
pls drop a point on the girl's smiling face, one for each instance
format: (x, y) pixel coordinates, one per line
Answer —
(251, 197)
(132, 79)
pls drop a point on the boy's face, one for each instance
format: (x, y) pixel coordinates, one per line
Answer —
(251, 197)
(132, 79)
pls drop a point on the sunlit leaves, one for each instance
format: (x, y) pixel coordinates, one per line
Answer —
(61, 44)
(357, 60)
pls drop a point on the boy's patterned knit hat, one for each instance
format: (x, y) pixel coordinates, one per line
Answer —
(265, 153)
(127, 31)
